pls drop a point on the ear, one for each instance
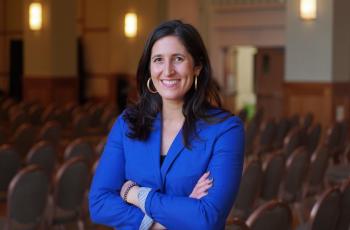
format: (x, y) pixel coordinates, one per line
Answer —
(197, 70)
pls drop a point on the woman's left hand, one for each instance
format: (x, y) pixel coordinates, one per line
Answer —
(203, 185)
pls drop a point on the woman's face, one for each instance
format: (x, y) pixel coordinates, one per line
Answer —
(172, 69)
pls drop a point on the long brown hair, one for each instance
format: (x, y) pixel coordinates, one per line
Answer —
(197, 102)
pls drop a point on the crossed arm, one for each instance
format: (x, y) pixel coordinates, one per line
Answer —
(208, 207)
(131, 194)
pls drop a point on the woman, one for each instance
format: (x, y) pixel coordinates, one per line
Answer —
(174, 159)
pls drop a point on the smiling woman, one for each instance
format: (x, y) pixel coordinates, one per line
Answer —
(174, 159)
(172, 69)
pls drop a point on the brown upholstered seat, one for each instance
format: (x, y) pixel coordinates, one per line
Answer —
(10, 163)
(297, 167)
(70, 185)
(344, 217)
(274, 169)
(27, 199)
(249, 190)
(273, 215)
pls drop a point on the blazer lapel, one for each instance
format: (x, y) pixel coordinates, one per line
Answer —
(175, 149)
(155, 140)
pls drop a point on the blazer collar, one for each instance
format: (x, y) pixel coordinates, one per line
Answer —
(175, 149)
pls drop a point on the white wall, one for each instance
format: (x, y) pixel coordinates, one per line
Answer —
(244, 25)
(309, 44)
(245, 76)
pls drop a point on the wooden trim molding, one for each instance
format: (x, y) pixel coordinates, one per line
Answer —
(59, 90)
(325, 100)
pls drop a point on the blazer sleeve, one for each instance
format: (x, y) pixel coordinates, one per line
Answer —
(210, 212)
(105, 204)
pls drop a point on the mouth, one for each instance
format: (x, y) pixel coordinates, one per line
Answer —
(170, 83)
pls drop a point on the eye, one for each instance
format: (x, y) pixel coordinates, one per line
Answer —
(157, 60)
(179, 59)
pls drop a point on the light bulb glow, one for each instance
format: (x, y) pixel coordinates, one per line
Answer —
(308, 9)
(35, 16)
(130, 25)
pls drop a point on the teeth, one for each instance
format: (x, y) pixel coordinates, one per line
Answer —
(170, 82)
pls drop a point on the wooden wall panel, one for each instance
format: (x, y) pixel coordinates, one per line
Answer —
(51, 90)
(321, 99)
(269, 72)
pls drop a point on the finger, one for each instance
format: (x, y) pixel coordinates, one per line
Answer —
(204, 188)
(206, 181)
(202, 195)
(203, 177)
(201, 189)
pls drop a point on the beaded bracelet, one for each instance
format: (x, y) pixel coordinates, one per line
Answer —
(127, 190)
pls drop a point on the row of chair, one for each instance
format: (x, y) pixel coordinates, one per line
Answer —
(329, 212)
(34, 203)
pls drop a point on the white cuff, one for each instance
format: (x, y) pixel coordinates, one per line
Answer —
(146, 223)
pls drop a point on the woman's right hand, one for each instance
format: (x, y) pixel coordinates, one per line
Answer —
(203, 185)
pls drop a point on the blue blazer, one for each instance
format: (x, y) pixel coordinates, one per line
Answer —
(219, 149)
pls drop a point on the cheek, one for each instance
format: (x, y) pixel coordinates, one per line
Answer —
(155, 70)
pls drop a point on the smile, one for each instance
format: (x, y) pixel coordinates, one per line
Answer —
(170, 83)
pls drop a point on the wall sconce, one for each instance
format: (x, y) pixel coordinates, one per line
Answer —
(130, 25)
(308, 9)
(35, 16)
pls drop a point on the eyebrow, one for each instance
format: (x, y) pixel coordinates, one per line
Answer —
(175, 54)
(156, 56)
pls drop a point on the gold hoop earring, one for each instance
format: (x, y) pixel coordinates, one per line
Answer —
(149, 87)
(195, 82)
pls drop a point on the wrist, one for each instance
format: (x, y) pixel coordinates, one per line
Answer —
(127, 191)
(132, 195)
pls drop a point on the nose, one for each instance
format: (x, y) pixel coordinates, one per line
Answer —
(169, 69)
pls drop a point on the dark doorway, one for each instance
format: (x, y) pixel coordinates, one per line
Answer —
(81, 72)
(16, 69)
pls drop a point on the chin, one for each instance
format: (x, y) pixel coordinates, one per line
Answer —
(172, 98)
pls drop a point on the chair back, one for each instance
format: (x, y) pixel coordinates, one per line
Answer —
(17, 119)
(313, 137)
(51, 132)
(248, 190)
(100, 146)
(297, 167)
(267, 135)
(237, 224)
(273, 215)
(294, 121)
(273, 169)
(35, 114)
(79, 147)
(318, 167)
(10, 163)
(96, 112)
(70, 184)
(81, 124)
(325, 212)
(27, 199)
(291, 142)
(24, 138)
(3, 136)
(308, 119)
(281, 132)
(43, 153)
(344, 220)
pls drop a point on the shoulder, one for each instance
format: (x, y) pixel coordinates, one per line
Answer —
(119, 124)
(221, 121)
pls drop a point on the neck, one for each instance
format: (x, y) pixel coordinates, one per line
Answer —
(172, 111)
